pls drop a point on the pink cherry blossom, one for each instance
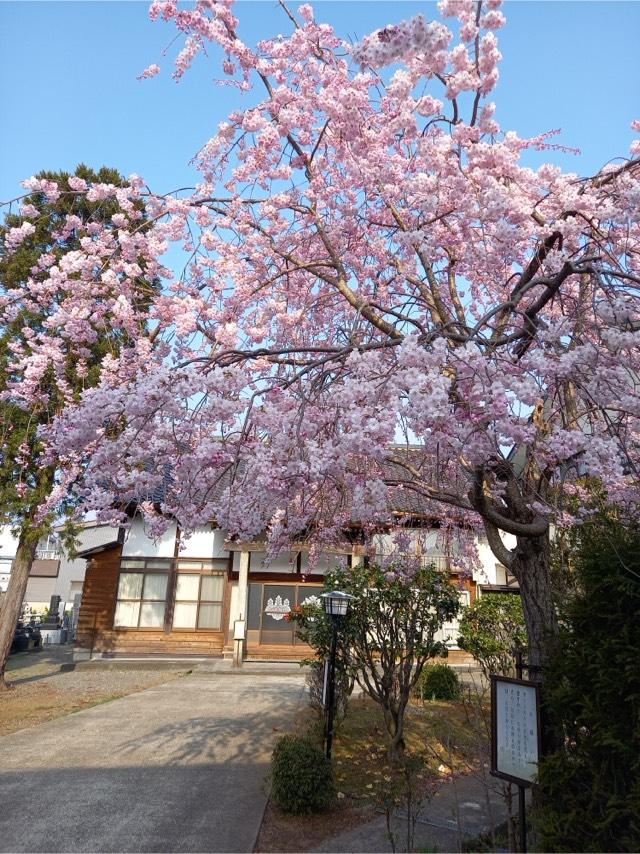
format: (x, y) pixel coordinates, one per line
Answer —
(385, 312)
(150, 71)
(15, 236)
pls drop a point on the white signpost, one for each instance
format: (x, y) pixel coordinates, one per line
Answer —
(516, 730)
(515, 736)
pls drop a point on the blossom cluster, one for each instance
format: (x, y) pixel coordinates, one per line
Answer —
(382, 304)
(399, 41)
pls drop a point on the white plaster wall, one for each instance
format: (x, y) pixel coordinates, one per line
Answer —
(423, 538)
(138, 544)
(204, 542)
(327, 561)
(487, 574)
(5, 572)
(428, 541)
(284, 562)
(8, 546)
(8, 543)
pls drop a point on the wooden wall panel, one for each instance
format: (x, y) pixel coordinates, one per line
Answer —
(95, 622)
(98, 596)
(96, 632)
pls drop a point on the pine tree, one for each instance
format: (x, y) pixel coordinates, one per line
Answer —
(26, 480)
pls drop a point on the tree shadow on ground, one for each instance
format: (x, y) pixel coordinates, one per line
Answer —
(239, 736)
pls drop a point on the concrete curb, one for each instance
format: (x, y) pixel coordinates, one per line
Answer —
(199, 668)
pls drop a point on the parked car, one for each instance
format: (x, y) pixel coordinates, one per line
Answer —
(25, 638)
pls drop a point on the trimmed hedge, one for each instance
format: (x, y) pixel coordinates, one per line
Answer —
(301, 777)
(438, 682)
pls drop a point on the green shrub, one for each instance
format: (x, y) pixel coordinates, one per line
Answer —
(491, 629)
(590, 789)
(438, 682)
(301, 776)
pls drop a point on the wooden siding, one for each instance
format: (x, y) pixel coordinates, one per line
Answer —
(279, 652)
(95, 623)
(96, 632)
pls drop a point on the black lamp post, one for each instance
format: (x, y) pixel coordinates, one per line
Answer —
(336, 605)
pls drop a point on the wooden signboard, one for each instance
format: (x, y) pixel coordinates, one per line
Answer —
(515, 729)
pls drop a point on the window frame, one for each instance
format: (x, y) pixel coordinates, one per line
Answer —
(302, 591)
(172, 568)
(203, 569)
(147, 568)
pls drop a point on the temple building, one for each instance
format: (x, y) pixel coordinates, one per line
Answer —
(210, 596)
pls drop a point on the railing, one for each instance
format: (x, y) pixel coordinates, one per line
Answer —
(440, 562)
(47, 554)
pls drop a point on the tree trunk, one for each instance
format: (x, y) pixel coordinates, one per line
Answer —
(395, 728)
(531, 568)
(14, 597)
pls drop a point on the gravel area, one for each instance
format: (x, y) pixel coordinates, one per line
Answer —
(43, 686)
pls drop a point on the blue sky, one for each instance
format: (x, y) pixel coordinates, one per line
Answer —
(68, 88)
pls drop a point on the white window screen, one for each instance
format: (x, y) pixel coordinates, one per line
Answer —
(187, 587)
(141, 600)
(130, 586)
(210, 617)
(198, 602)
(155, 586)
(184, 615)
(127, 614)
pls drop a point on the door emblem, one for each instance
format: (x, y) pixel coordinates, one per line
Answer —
(278, 608)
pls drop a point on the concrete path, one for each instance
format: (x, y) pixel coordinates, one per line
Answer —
(179, 767)
(462, 809)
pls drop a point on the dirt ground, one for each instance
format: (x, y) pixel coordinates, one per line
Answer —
(289, 833)
(451, 745)
(44, 685)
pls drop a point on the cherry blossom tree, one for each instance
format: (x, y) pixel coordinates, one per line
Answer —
(381, 303)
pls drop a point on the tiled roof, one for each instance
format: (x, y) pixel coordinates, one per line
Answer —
(403, 500)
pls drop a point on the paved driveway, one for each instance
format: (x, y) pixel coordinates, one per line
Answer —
(179, 767)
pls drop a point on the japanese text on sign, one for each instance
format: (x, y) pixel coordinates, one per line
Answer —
(516, 730)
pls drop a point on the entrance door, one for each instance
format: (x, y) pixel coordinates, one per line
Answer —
(277, 602)
(268, 606)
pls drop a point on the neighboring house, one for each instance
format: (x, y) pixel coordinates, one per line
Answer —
(8, 546)
(53, 573)
(146, 597)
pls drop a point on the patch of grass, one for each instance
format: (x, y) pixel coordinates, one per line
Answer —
(434, 729)
(28, 704)
(361, 766)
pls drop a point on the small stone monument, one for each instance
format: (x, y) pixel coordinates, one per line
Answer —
(51, 628)
(53, 620)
